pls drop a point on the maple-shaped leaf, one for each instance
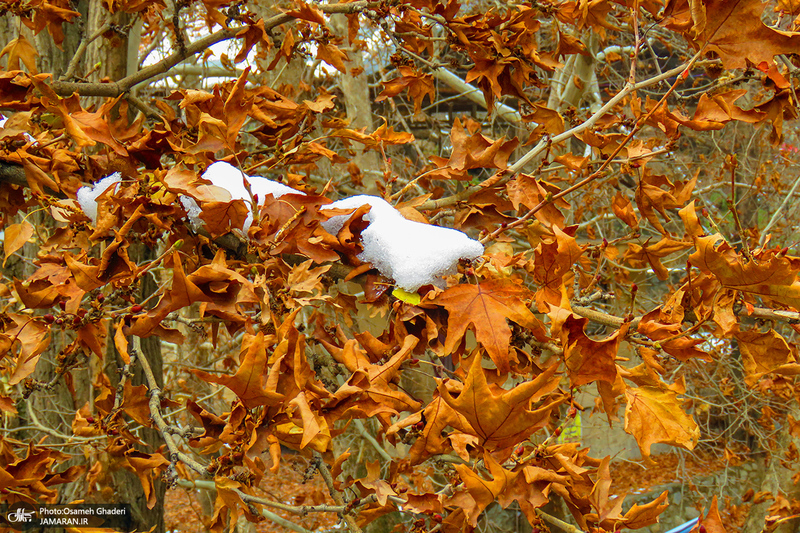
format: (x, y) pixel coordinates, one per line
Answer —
(51, 16)
(372, 389)
(31, 337)
(656, 415)
(651, 197)
(483, 491)
(20, 50)
(525, 190)
(659, 328)
(433, 439)
(485, 307)
(552, 265)
(250, 381)
(767, 352)
(501, 418)
(417, 84)
(471, 149)
(770, 276)
(587, 360)
(651, 254)
(733, 29)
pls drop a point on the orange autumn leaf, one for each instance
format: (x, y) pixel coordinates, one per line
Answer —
(771, 276)
(16, 235)
(763, 353)
(483, 491)
(588, 360)
(250, 383)
(655, 415)
(623, 209)
(417, 84)
(712, 522)
(484, 307)
(735, 31)
(501, 417)
(651, 254)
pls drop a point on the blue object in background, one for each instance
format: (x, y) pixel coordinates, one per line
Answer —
(684, 528)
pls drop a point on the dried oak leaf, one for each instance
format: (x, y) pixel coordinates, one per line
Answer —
(485, 307)
(655, 415)
(501, 418)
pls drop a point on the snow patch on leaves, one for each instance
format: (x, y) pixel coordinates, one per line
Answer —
(226, 176)
(87, 196)
(412, 253)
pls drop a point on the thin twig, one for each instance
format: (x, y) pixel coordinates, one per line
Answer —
(164, 428)
(544, 143)
(76, 59)
(122, 86)
(323, 470)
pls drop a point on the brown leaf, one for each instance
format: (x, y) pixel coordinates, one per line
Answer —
(418, 85)
(20, 50)
(485, 307)
(656, 415)
(712, 523)
(623, 209)
(735, 31)
(16, 235)
(650, 255)
(332, 55)
(501, 418)
(251, 379)
(483, 491)
(763, 353)
(587, 360)
(772, 276)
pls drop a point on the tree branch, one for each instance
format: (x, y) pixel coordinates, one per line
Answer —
(164, 428)
(544, 143)
(124, 85)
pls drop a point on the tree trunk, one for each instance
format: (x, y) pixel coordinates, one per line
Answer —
(359, 107)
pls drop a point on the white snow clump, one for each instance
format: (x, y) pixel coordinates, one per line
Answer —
(87, 196)
(412, 253)
(228, 177)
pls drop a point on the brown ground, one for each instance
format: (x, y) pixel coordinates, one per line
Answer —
(183, 512)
